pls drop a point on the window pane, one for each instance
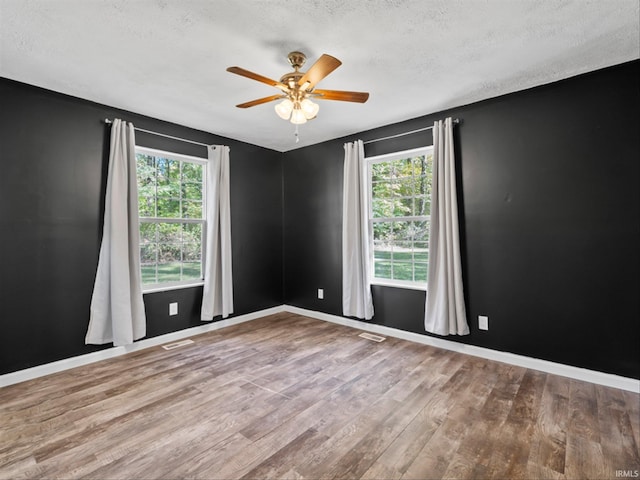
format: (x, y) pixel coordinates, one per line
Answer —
(148, 262)
(421, 165)
(405, 187)
(169, 232)
(173, 259)
(168, 253)
(148, 274)
(400, 230)
(168, 179)
(191, 209)
(383, 207)
(380, 171)
(191, 252)
(169, 263)
(192, 233)
(191, 172)
(147, 206)
(423, 186)
(421, 231)
(382, 232)
(148, 254)
(403, 271)
(148, 233)
(395, 207)
(191, 271)
(168, 208)
(192, 191)
(404, 207)
(420, 252)
(169, 272)
(420, 272)
(168, 190)
(146, 173)
(396, 169)
(382, 261)
(403, 252)
(168, 171)
(423, 206)
(384, 189)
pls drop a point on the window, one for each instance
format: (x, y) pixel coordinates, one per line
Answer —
(172, 226)
(399, 211)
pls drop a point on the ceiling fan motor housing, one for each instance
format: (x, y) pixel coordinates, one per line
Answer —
(296, 93)
(297, 59)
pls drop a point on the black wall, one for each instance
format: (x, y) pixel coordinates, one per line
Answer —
(53, 162)
(549, 222)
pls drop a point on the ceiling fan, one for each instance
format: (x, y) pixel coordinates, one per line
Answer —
(298, 88)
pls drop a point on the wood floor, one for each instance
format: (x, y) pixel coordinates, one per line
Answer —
(292, 397)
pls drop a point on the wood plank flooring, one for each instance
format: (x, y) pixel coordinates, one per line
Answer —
(287, 396)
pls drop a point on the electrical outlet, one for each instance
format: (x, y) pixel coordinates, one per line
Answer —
(483, 322)
(321, 293)
(173, 308)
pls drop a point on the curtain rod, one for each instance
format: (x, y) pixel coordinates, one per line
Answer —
(455, 121)
(109, 121)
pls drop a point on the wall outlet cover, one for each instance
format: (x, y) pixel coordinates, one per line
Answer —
(483, 322)
(173, 308)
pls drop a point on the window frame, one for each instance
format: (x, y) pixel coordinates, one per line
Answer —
(175, 285)
(389, 157)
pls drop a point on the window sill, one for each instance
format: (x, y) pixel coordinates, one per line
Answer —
(166, 288)
(407, 286)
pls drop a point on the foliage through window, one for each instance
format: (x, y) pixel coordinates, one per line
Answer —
(171, 205)
(400, 208)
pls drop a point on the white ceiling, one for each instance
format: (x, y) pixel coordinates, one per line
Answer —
(167, 58)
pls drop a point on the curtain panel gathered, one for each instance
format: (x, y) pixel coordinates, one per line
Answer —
(444, 310)
(217, 297)
(356, 287)
(117, 311)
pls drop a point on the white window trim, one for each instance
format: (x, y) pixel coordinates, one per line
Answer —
(175, 156)
(166, 286)
(388, 157)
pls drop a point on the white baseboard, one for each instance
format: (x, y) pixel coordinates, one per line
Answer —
(67, 363)
(592, 376)
(600, 378)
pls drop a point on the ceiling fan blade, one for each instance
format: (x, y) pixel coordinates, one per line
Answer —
(359, 97)
(323, 67)
(260, 101)
(260, 78)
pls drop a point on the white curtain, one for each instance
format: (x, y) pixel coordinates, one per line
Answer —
(217, 297)
(117, 310)
(356, 287)
(444, 311)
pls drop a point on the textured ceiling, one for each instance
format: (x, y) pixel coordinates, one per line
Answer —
(167, 58)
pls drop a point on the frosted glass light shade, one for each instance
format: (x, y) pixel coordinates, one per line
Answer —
(284, 108)
(309, 108)
(297, 116)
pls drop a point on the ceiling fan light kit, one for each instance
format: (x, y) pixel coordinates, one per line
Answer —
(297, 112)
(299, 87)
